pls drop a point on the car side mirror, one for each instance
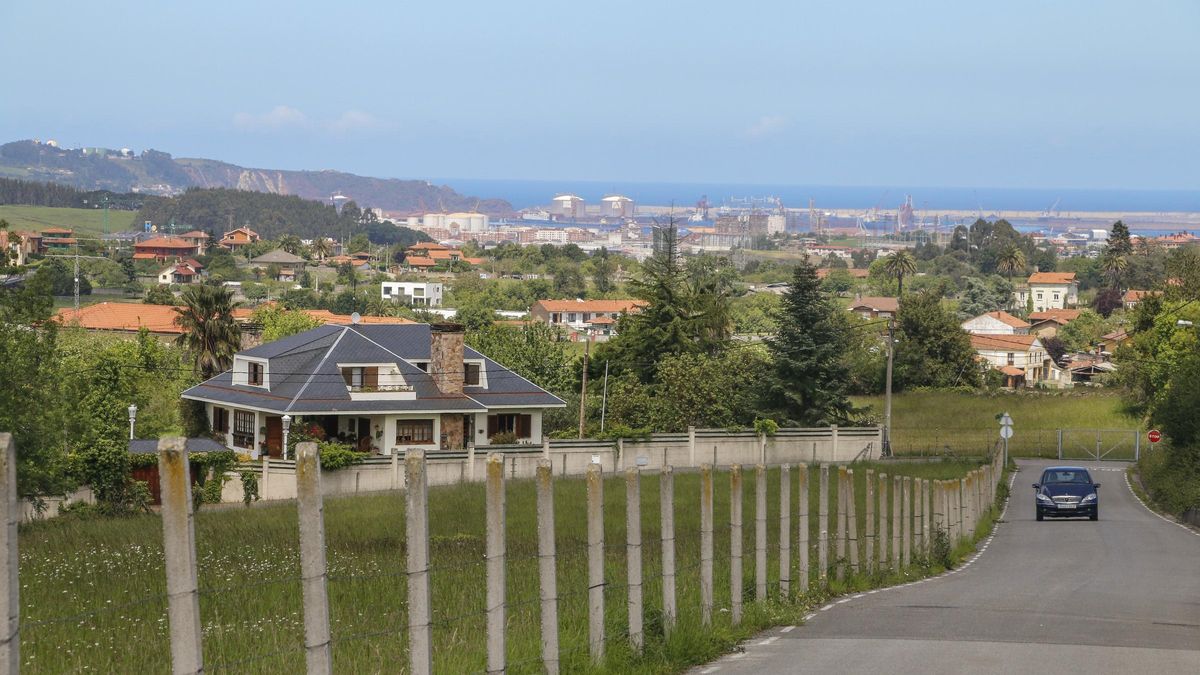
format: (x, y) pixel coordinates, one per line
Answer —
(1037, 486)
(1097, 485)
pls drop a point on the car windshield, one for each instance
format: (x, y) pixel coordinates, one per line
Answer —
(1066, 476)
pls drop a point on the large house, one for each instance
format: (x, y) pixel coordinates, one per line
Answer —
(875, 308)
(288, 266)
(1021, 359)
(584, 318)
(1049, 322)
(182, 272)
(1048, 290)
(413, 293)
(385, 388)
(166, 248)
(996, 323)
(239, 238)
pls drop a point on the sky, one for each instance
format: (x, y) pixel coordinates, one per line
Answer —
(1051, 93)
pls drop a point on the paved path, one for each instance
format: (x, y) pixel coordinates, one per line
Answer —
(1061, 596)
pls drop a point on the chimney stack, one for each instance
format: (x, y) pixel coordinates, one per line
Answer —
(446, 357)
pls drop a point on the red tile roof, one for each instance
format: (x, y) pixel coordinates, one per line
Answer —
(165, 242)
(615, 306)
(1062, 316)
(876, 304)
(1052, 278)
(1013, 371)
(1136, 296)
(122, 316)
(1015, 343)
(1007, 319)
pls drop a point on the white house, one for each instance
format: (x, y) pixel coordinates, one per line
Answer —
(385, 388)
(413, 293)
(996, 323)
(1048, 290)
(182, 272)
(1022, 360)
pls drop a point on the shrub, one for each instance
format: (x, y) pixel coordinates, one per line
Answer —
(249, 487)
(336, 456)
(503, 438)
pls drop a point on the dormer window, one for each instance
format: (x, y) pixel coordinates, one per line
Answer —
(359, 378)
(471, 374)
(254, 374)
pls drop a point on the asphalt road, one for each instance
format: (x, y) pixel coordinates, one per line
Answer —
(1060, 596)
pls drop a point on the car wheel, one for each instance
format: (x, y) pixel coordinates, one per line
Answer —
(1095, 515)
(1039, 515)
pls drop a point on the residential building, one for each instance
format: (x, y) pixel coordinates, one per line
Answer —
(584, 318)
(238, 239)
(183, 272)
(1047, 323)
(198, 239)
(875, 307)
(1048, 290)
(386, 389)
(14, 246)
(1110, 341)
(56, 240)
(413, 293)
(1022, 360)
(163, 249)
(1132, 297)
(290, 266)
(996, 323)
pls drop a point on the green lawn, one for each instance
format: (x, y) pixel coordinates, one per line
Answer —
(92, 590)
(83, 221)
(962, 423)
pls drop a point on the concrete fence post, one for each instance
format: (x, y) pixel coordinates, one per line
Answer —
(266, 474)
(318, 653)
(833, 436)
(692, 447)
(803, 527)
(633, 555)
(785, 532)
(595, 555)
(961, 506)
(545, 447)
(869, 515)
(760, 532)
(496, 564)
(884, 539)
(926, 508)
(897, 527)
(906, 519)
(823, 527)
(706, 544)
(666, 497)
(852, 520)
(420, 624)
(621, 459)
(735, 544)
(10, 595)
(179, 549)
(840, 519)
(547, 572)
(395, 467)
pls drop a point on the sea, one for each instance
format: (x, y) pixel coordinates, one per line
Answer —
(530, 193)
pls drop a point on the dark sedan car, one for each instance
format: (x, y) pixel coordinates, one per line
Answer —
(1067, 492)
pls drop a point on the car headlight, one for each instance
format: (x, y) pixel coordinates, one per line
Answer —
(1043, 498)
(1090, 498)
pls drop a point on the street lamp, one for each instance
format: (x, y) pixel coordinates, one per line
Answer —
(132, 417)
(287, 424)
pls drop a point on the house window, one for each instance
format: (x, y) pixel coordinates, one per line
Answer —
(571, 317)
(1056, 296)
(1039, 295)
(471, 374)
(1011, 359)
(387, 291)
(254, 374)
(243, 428)
(520, 425)
(414, 432)
(220, 420)
(359, 378)
(423, 365)
(556, 318)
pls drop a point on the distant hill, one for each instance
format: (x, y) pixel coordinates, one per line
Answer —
(158, 173)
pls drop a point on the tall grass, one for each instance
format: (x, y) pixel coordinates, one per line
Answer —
(953, 423)
(85, 222)
(92, 590)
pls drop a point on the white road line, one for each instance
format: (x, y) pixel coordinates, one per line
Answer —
(787, 629)
(768, 641)
(1156, 513)
(710, 669)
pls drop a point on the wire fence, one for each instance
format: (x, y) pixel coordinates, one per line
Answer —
(579, 583)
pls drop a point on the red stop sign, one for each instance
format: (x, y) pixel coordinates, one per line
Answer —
(1155, 435)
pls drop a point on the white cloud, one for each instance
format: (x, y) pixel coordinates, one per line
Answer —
(353, 120)
(279, 117)
(767, 125)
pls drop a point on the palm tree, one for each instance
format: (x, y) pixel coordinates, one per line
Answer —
(899, 265)
(1011, 261)
(1114, 265)
(320, 248)
(291, 243)
(209, 330)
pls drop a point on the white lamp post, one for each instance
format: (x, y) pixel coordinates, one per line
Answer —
(132, 417)
(287, 424)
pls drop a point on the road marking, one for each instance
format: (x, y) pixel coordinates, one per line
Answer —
(768, 641)
(1156, 513)
(787, 629)
(710, 669)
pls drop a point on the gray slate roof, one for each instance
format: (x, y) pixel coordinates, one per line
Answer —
(278, 256)
(304, 376)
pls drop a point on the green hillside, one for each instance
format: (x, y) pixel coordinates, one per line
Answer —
(90, 221)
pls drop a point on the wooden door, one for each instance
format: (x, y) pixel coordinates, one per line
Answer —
(274, 436)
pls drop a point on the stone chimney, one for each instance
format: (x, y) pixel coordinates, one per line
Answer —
(446, 356)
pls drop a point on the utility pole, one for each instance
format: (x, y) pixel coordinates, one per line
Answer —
(587, 348)
(887, 406)
(604, 398)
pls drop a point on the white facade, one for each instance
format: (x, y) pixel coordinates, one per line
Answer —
(415, 293)
(988, 324)
(1048, 296)
(461, 222)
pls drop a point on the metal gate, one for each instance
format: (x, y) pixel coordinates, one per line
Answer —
(1123, 445)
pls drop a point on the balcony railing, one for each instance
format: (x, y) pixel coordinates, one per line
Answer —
(382, 388)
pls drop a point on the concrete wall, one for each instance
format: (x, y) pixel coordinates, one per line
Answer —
(572, 457)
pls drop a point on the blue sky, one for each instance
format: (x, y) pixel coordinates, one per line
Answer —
(1004, 94)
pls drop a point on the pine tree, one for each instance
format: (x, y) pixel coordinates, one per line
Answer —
(809, 386)
(1119, 242)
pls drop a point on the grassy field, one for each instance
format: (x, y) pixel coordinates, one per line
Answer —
(83, 221)
(92, 590)
(925, 423)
